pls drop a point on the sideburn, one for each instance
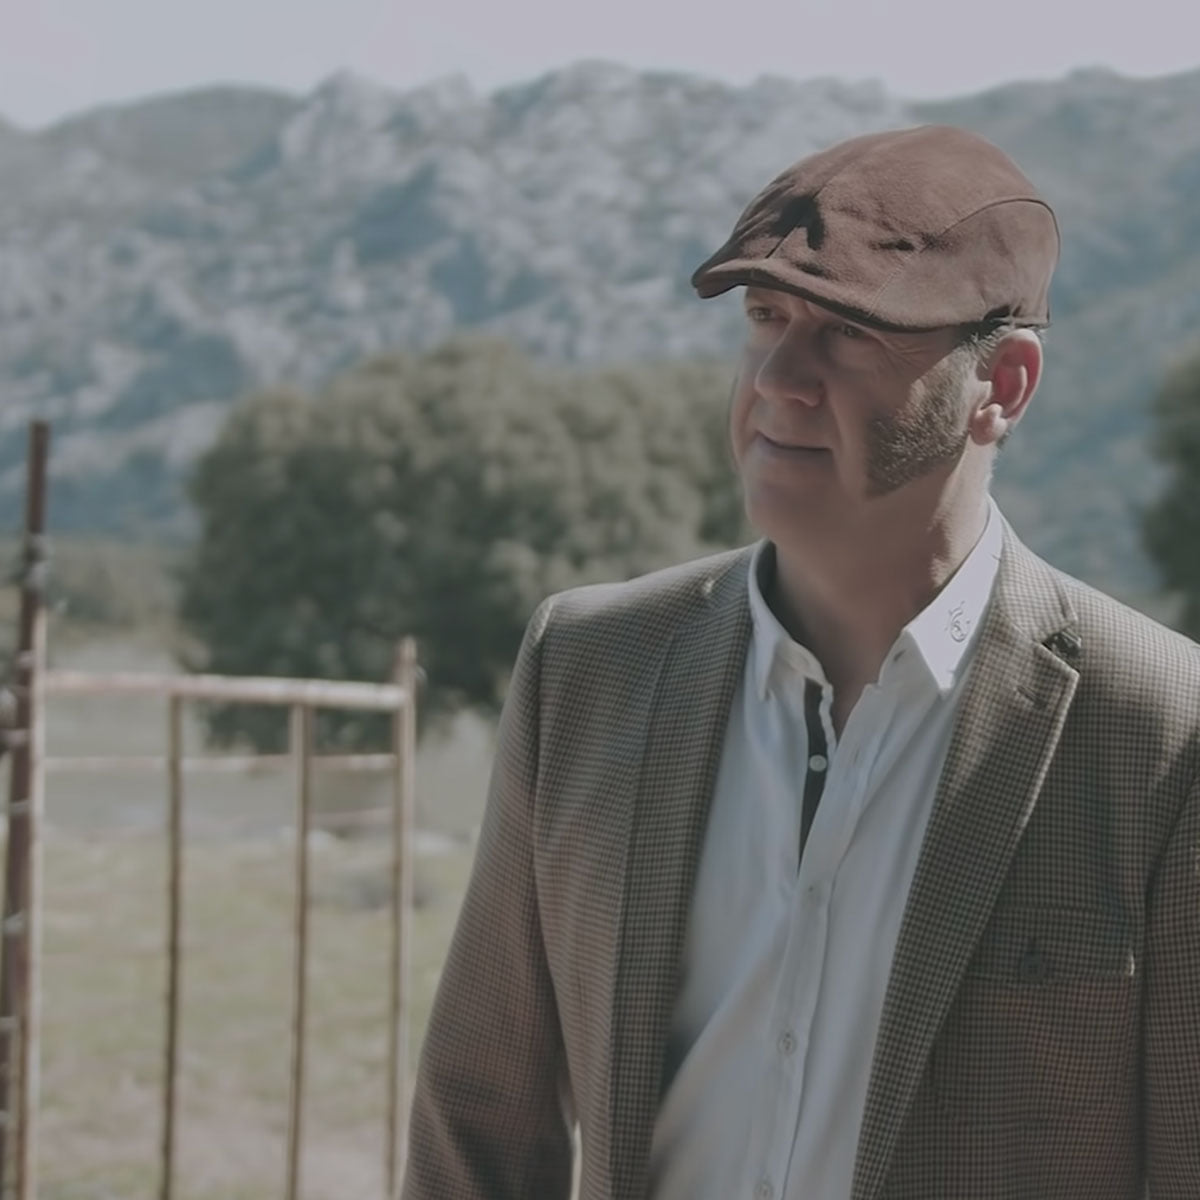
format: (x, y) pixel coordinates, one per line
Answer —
(928, 433)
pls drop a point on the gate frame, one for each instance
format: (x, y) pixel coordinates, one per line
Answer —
(20, 930)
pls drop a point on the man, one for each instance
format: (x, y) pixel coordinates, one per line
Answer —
(863, 863)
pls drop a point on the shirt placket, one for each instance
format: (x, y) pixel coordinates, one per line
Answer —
(798, 978)
(849, 764)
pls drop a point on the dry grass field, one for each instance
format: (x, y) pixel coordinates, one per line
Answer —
(105, 967)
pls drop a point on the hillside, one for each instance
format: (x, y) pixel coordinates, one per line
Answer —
(159, 259)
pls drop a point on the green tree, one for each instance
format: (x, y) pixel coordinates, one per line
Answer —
(441, 495)
(1171, 527)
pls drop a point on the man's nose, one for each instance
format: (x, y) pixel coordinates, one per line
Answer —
(788, 372)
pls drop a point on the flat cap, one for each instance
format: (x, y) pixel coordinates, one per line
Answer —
(908, 229)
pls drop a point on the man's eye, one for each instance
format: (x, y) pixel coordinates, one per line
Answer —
(760, 313)
(848, 331)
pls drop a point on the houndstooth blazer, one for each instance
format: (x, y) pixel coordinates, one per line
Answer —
(1040, 1037)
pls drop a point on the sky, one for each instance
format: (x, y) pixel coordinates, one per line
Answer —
(64, 56)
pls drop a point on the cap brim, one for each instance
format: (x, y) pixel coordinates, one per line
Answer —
(716, 280)
(780, 276)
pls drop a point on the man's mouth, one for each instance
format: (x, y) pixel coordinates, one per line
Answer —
(793, 447)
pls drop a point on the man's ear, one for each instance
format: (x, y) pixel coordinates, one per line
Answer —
(1012, 370)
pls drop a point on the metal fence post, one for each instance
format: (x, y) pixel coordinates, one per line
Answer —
(302, 748)
(20, 933)
(174, 921)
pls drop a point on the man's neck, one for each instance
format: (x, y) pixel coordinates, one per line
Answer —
(847, 602)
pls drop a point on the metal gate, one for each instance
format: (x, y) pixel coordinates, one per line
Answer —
(20, 934)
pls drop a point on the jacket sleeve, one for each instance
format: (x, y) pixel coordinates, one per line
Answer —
(1172, 1032)
(490, 1117)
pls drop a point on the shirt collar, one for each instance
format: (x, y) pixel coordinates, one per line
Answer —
(770, 642)
(941, 634)
(944, 632)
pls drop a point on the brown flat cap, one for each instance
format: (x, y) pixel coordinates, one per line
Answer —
(909, 229)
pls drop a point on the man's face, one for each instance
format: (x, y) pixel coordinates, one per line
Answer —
(831, 419)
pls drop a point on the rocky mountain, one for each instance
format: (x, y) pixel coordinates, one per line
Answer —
(158, 260)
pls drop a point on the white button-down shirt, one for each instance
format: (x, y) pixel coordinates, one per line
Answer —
(787, 958)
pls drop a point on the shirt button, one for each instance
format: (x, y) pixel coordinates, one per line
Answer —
(818, 762)
(787, 1043)
(765, 1190)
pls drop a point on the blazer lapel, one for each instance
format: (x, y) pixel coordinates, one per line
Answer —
(1013, 711)
(700, 671)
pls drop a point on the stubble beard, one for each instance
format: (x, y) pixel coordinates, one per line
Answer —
(929, 434)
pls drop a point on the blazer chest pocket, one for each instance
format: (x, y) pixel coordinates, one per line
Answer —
(1044, 1023)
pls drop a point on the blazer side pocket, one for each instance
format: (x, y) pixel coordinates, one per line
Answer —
(1044, 1025)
